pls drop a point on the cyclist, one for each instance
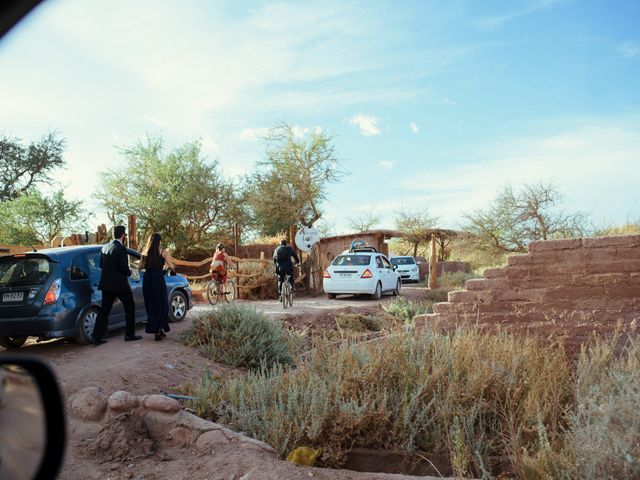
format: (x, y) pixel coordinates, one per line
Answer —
(218, 268)
(282, 260)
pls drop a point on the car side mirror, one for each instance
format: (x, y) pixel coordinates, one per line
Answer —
(395, 267)
(32, 425)
(419, 263)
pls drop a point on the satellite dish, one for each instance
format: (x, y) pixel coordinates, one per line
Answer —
(306, 238)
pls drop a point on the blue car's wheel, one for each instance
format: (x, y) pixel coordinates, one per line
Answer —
(86, 322)
(177, 306)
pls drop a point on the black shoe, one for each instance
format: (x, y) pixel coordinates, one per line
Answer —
(132, 338)
(98, 342)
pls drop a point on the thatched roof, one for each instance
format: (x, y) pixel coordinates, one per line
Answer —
(387, 233)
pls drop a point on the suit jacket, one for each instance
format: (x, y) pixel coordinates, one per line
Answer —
(114, 262)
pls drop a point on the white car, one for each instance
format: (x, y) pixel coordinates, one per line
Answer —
(361, 271)
(407, 267)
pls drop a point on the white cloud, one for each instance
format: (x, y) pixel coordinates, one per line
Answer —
(386, 164)
(629, 49)
(493, 21)
(368, 125)
(414, 127)
(449, 102)
(253, 134)
(573, 159)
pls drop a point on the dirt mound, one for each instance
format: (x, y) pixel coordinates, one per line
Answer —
(122, 439)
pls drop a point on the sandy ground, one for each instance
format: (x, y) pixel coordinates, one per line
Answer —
(147, 367)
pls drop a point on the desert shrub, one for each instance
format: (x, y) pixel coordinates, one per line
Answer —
(469, 396)
(356, 322)
(604, 438)
(406, 310)
(240, 336)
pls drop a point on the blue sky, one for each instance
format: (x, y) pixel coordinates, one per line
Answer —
(433, 104)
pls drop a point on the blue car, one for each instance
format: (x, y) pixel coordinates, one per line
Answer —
(53, 293)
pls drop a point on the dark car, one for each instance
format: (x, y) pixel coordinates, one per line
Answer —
(53, 293)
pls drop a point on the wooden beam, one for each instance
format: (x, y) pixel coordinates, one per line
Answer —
(433, 264)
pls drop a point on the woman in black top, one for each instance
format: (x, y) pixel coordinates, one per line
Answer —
(154, 288)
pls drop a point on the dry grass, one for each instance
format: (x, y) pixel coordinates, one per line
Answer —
(469, 396)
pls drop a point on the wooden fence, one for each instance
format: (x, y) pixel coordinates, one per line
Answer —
(237, 273)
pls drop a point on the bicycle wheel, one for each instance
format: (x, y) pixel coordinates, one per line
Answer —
(212, 294)
(284, 296)
(290, 297)
(229, 293)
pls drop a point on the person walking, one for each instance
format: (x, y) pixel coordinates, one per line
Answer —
(114, 283)
(282, 260)
(154, 287)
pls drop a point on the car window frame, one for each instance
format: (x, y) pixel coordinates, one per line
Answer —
(84, 256)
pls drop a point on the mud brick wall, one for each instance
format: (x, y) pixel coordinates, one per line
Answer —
(574, 281)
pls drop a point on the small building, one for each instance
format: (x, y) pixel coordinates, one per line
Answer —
(330, 247)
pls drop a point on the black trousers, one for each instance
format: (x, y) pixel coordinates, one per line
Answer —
(281, 275)
(100, 328)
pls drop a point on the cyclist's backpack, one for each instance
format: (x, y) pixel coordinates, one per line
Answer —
(282, 255)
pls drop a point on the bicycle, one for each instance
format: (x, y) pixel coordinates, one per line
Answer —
(286, 292)
(216, 291)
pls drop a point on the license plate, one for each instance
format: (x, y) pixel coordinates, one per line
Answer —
(345, 275)
(13, 297)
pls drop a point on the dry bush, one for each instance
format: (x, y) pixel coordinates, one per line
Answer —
(265, 280)
(240, 336)
(454, 280)
(469, 396)
(604, 438)
(358, 323)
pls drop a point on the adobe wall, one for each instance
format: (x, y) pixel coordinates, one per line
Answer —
(572, 282)
(331, 247)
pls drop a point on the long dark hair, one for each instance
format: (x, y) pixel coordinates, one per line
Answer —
(151, 257)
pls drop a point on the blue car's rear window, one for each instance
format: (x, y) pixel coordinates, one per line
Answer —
(16, 271)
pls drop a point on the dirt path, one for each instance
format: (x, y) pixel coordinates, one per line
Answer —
(147, 367)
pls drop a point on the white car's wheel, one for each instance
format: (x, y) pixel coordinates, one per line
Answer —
(331, 296)
(378, 293)
(396, 292)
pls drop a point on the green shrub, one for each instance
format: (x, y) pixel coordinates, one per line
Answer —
(406, 310)
(240, 336)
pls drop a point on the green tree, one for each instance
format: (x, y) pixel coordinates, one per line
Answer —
(414, 227)
(291, 181)
(23, 167)
(34, 218)
(178, 193)
(517, 217)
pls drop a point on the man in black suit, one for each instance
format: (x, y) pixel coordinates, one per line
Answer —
(114, 283)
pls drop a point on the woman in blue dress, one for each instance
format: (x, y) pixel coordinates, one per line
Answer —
(154, 288)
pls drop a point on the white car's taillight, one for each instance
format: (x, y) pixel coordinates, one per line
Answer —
(367, 274)
(326, 274)
(53, 293)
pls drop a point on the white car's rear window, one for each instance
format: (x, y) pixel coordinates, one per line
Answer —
(352, 260)
(403, 261)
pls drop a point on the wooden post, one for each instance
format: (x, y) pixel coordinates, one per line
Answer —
(132, 233)
(433, 264)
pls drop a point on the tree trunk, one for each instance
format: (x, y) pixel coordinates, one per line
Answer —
(433, 264)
